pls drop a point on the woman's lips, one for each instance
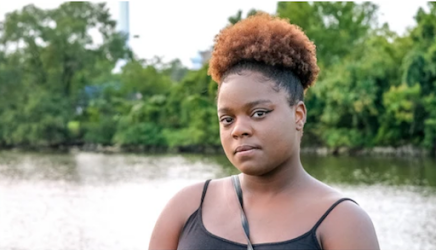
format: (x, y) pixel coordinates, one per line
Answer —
(245, 148)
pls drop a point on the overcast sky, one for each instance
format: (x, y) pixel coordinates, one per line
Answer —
(179, 29)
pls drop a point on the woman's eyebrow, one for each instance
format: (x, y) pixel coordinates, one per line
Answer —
(224, 110)
(254, 103)
(246, 106)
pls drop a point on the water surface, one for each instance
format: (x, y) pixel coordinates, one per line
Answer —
(98, 201)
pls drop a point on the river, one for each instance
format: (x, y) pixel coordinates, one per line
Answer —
(111, 201)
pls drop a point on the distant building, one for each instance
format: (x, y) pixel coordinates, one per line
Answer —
(124, 27)
(201, 59)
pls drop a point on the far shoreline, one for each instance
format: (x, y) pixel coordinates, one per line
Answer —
(401, 151)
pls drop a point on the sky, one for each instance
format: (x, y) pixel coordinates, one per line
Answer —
(179, 29)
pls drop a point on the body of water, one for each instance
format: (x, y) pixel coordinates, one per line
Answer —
(97, 201)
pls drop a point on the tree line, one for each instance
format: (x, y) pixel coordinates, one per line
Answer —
(376, 87)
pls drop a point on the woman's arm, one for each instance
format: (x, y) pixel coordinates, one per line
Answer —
(170, 223)
(348, 227)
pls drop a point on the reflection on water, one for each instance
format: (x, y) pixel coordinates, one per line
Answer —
(361, 170)
(97, 201)
(373, 170)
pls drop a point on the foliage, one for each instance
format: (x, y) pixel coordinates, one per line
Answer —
(48, 57)
(335, 27)
(57, 87)
(376, 88)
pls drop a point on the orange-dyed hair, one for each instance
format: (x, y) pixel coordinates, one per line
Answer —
(268, 40)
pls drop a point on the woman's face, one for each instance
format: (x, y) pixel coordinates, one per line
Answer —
(259, 130)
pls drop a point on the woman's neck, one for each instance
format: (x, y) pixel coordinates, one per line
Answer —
(286, 178)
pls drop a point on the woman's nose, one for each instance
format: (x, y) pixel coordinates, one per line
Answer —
(242, 127)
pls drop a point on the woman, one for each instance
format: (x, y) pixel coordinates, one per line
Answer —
(263, 65)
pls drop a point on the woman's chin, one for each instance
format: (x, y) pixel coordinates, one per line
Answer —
(252, 169)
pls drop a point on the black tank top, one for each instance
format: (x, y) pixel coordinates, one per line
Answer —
(196, 236)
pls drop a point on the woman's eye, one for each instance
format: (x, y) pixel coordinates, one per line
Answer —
(226, 120)
(260, 113)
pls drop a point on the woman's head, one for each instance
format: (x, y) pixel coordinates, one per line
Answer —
(263, 65)
(278, 50)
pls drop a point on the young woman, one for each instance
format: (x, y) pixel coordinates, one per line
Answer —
(263, 65)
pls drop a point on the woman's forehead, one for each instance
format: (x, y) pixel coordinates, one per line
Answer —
(238, 90)
(247, 74)
(246, 84)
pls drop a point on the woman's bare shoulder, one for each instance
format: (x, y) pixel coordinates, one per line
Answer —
(188, 199)
(347, 226)
(173, 217)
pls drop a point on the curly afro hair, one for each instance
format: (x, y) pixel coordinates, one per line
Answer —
(268, 42)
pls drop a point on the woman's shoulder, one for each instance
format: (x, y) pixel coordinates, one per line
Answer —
(189, 199)
(338, 206)
(345, 224)
(174, 216)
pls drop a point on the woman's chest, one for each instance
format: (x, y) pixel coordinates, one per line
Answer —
(267, 223)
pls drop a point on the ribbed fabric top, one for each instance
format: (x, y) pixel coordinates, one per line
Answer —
(196, 236)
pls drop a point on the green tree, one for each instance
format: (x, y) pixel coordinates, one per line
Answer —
(51, 57)
(191, 111)
(420, 68)
(335, 27)
(238, 16)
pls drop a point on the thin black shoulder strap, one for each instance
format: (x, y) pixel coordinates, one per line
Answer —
(206, 184)
(329, 210)
(244, 221)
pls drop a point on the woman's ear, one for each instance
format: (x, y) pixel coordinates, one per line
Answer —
(300, 115)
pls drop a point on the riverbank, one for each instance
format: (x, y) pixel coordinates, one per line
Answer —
(403, 151)
(375, 151)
